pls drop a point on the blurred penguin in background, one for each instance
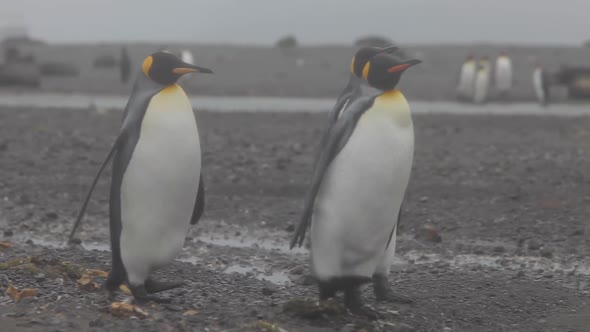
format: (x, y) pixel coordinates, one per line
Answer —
(187, 57)
(125, 65)
(482, 82)
(541, 84)
(467, 79)
(503, 75)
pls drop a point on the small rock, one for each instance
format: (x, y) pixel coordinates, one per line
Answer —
(548, 275)
(578, 232)
(96, 323)
(8, 233)
(173, 308)
(499, 249)
(547, 253)
(75, 241)
(429, 233)
(424, 199)
(51, 215)
(267, 291)
(401, 327)
(297, 270)
(4, 281)
(534, 245)
(305, 280)
(290, 228)
(40, 277)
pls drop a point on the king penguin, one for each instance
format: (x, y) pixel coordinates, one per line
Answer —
(353, 88)
(541, 85)
(355, 84)
(156, 186)
(358, 187)
(467, 79)
(503, 74)
(482, 82)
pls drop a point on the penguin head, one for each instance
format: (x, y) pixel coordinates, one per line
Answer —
(384, 70)
(363, 55)
(165, 68)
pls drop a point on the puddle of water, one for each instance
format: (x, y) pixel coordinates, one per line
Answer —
(276, 277)
(277, 104)
(54, 244)
(245, 240)
(498, 262)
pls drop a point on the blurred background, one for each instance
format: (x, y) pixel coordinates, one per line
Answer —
(294, 49)
(494, 230)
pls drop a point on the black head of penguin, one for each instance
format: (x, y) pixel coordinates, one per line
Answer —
(363, 55)
(166, 68)
(384, 71)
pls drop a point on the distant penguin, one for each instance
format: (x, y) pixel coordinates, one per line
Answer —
(187, 56)
(503, 74)
(357, 189)
(467, 79)
(541, 85)
(482, 82)
(125, 65)
(156, 188)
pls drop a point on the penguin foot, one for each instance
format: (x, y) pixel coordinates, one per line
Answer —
(141, 296)
(384, 293)
(354, 303)
(327, 290)
(152, 286)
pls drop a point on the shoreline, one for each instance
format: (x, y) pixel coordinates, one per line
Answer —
(234, 104)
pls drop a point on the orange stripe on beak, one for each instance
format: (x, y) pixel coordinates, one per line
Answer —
(397, 68)
(181, 71)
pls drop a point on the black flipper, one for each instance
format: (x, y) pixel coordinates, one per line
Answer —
(199, 202)
(336, 139)
(83, 209)
(143, 91)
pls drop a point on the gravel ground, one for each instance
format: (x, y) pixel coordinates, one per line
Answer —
(507, 195)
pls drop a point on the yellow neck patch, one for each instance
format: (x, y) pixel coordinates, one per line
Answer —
(366, 69)
(147, 64)
(352, 66)
(393, 105)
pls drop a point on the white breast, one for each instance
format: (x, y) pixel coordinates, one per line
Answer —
(467, 79)
(481, 86)
(503, 74)
(360, 196)
(160, 184)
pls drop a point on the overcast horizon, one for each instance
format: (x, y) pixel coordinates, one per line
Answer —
(264, 21)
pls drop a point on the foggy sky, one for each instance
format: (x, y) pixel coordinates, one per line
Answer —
(312, 21)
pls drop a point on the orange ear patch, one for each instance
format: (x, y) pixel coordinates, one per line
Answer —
(147, 64)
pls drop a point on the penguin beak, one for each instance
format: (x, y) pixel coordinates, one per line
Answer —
(404, 66)
(187, 68)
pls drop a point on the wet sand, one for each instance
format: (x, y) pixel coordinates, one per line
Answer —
(509, 196)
